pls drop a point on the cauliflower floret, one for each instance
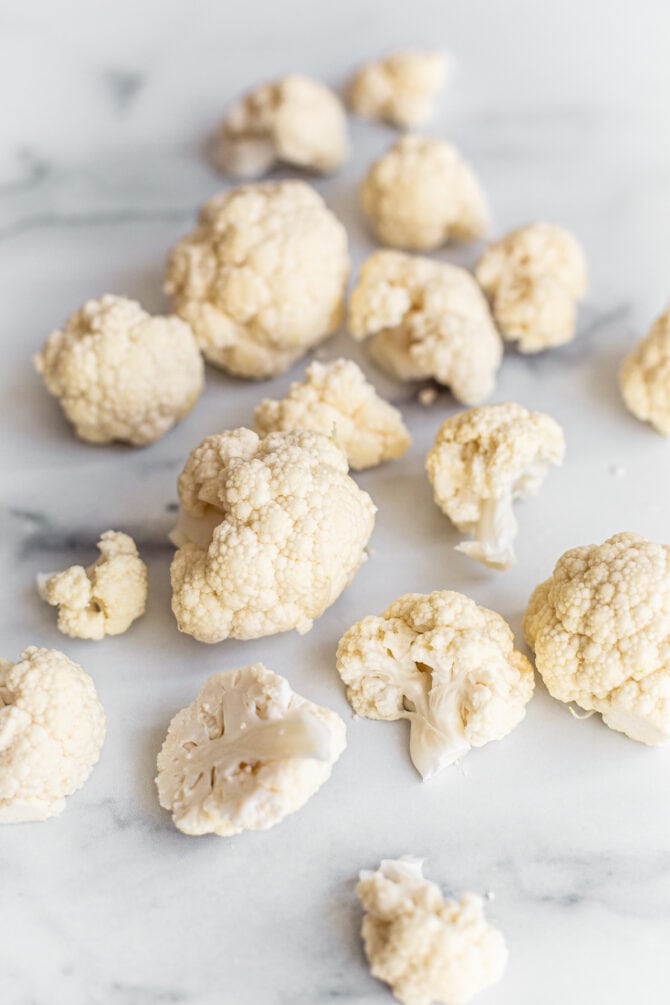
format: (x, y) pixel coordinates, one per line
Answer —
(261, 279)
(421, 194)
(335, 399)
(600, 629)
(645, 377)
(294, 120)
(534, 278)
(398, 88)
(52, 728)
(246, 753)
(103, 599)
(429, 319)
(428, 949)
(484, 459)
(269, 534)
(443, 663)
(121, 374)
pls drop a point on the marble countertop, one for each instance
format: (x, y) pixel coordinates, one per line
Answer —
(562, 110)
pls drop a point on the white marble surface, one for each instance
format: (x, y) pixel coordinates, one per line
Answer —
(562, 108)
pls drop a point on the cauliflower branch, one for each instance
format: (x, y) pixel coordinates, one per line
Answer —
(399, 88)
(645, 377)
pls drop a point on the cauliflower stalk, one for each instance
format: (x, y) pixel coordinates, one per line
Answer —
(645, 377)
(398, 88)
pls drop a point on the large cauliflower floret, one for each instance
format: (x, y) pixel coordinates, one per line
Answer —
(428, 949)
(398, 88)
(421, 194)
(335, 399)
(261, 279)
(294, 120)
(534, 278)
(443, 663)
(645, 377)
(484, 459)
(121, 374)
(429, 320)
(52, 728)
(600, 629)
(103, 599)
(269, 534)
(246, 753)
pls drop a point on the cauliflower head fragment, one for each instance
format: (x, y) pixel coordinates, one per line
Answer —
(534, 278)
(426, 948)
(261, 278)
(103, 599)
(443, 663)
(484, 459)
(121, 374)
(398, 88)
(269, 533)
(645, 377)
(429, 320)
(52, 728)
(421, 194)
(600, 630)
(246, 753)
(294, 120)
(335, 399)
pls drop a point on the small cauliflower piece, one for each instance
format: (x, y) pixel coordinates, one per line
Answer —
(246, 753)
(52, 727)
(269, 533)
(103, 599)
(429, 320)
(645, 377)
(335, 399)
(261, 278)
(421, 194)
(600, 630)
(443, 663)
(426, 948)
(398, 88)
(121, 374)
(534, 278)
(481, 462)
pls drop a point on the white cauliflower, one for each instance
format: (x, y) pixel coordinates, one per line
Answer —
(246, 753)
(103, 599)
(294, 120)
(121, 374)
(534, 278)
(335, 399)
(443, 663)
(426, 948)
(398, 88)
(484, 459)
(429, 319)
(421, 194)
(645, 377)
(269, 534)
(600, 630)
(52, 728)
(261, 278)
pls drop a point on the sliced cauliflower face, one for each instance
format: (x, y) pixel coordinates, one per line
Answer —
(246, 753)
(335, 399)
(261, 279)
(52, 728)
(121, 374)
(443, 663)
(103, 599)
(399, 88)
(270, 533)
(600, 629)
(484, 459)
(645, 377)
(429, 320)
(534, 278)
(421, 194)
(426, 948)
